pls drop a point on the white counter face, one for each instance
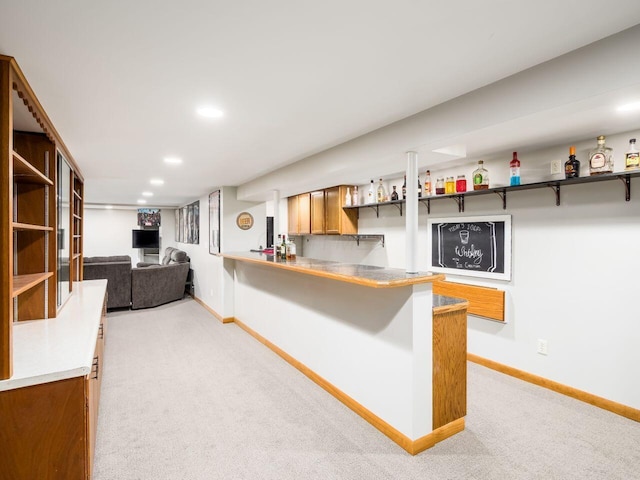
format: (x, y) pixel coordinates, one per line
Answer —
(375, 345)
(61, 347)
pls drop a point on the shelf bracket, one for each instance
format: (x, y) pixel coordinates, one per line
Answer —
(375, 207)
(459, 199)
(503, 195)
(428, 204)
(379, 237)
(626, 180)
(556, 189)
(399, 205)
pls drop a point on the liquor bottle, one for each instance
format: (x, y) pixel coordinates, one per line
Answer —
(572, 166)
(450, 185)
(632, 157)
(480, 177)
(394, 194)
(371, 195)
(347, 198)
(292, 249)
(419, 187)
(600, 158)
(461, 184)
(404, 188)
(283, 248)
(440, 186)
(276, 247)
(355, 200)
(514, 170)
(427, 183)
(381, 193)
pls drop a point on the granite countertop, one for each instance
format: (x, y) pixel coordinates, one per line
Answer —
(366, 275)
(58, 348)
(442, 304)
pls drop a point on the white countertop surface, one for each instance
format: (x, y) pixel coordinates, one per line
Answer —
(61, 347)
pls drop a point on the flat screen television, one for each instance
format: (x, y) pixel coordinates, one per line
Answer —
(145, 238)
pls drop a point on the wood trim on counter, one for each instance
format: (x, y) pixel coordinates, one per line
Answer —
(213, 312)
(411, 446)
(365, 282)
(605, 404)
(483, 301)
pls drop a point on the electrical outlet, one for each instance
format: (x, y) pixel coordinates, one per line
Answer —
(556, 167)
(542, 347)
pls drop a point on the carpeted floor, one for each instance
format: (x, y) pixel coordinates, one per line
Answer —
(185, 397)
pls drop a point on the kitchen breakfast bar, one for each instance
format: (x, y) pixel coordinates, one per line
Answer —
(376, 338)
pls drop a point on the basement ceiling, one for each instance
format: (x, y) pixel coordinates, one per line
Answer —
(122, 80)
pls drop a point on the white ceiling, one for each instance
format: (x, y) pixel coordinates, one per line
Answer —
(121, 79)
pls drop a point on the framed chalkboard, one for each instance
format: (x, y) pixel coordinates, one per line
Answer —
(472, 246)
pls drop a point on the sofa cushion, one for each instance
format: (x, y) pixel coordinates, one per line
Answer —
(109, 259)
(167, 256)
(178, 256)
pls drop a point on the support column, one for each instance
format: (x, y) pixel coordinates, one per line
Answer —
(411, 217)
(276, 216)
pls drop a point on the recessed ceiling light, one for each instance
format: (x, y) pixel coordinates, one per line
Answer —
(147, 194)
(140, 200)
(108, 207)
(207, 111)
(629, 107)
(173, 160)
(156, 181)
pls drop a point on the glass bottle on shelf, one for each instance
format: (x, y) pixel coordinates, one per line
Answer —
(381, 193)
(371, 195)
(419, 187)
(600, 158)
(450, 185)
(572, 166)
(347, 198)
(480, 177)
(427, 183)
(632, 157)
(354, 196)
(440, 186)
(404, 188)
(514, 170)
(461, 184)
(394, 194)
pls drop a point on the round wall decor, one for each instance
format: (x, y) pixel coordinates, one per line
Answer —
(244, 221)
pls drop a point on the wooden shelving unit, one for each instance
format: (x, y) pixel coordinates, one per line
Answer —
(77, 212)
(28, 186)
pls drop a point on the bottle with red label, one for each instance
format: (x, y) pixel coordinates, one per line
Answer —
(514, 170)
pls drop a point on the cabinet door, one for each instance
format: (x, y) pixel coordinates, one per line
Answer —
(294, 222)
(332, 210)
(317, 212)
(304, 214)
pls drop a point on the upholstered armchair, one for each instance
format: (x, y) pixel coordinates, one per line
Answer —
(156, 284)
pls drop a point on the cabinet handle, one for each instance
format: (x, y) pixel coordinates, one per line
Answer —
(95, 368)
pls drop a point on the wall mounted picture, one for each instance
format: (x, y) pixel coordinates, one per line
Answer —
(149, 217)
(188, 223)
(214, 222)
(471, 246)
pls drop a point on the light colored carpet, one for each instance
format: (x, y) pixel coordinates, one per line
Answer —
(187, 398)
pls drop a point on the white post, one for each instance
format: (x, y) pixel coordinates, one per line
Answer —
(276, 216)
(412, 213)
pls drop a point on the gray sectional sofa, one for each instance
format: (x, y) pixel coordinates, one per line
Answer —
(155, 284)
(117, 271)
(147, 285)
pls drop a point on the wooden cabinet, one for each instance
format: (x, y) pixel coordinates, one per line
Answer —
(299, 216)
(317, 213)
(49, 429)
(77, 213)
(338, 220)
(321, 212)
(29, 233)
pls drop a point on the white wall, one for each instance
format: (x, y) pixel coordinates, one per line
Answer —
(573, 271)
(209, 274)
(108, 232)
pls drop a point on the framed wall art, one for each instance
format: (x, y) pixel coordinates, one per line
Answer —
(214, 222)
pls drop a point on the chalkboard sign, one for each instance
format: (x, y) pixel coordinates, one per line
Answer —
(473, 246)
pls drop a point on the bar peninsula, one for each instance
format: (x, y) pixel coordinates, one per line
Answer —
(375, 338)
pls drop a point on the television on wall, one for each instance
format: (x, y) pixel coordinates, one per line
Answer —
(145, 239)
